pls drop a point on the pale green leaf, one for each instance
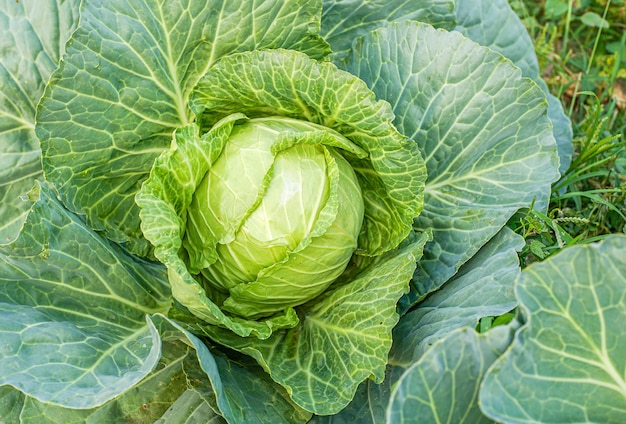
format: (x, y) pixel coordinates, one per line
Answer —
(73, 309)
(494, 24)
(32, 41)
(343, 337)
(567, 364)
(344, 21)
(288, 83)
(443, 386)
(482, 128)
(123, 87)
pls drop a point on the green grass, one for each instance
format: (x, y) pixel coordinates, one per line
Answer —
(581, 47)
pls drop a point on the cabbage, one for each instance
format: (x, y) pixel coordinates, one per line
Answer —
(269, 211)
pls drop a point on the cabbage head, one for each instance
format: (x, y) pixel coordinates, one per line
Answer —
(267, 205)
(276, 217)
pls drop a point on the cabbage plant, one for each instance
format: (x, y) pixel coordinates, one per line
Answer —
(265, 212)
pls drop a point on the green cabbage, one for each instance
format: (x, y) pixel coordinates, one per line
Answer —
(262, 211)
(276, 218)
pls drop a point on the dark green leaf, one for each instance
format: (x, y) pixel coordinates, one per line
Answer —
(482, 287)
(442, 387)
(32, 41)
(344, 21)
(483, 21)
(567, 364)
(72, 311)
(482, 128)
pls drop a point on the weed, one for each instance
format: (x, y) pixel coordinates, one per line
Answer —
(581, 46)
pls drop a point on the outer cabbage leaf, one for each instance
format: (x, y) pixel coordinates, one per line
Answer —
(443, 385)
(144, 403)
(342, 339)
(123, 87)
(567, 364)
(494, 24)
(177, 390)
(72, 311)
(344, 21)
(482, 287)
(482, 128)
(485, 284)
(239, 390)
(32, 40)
(369, 405)
(288, 83)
